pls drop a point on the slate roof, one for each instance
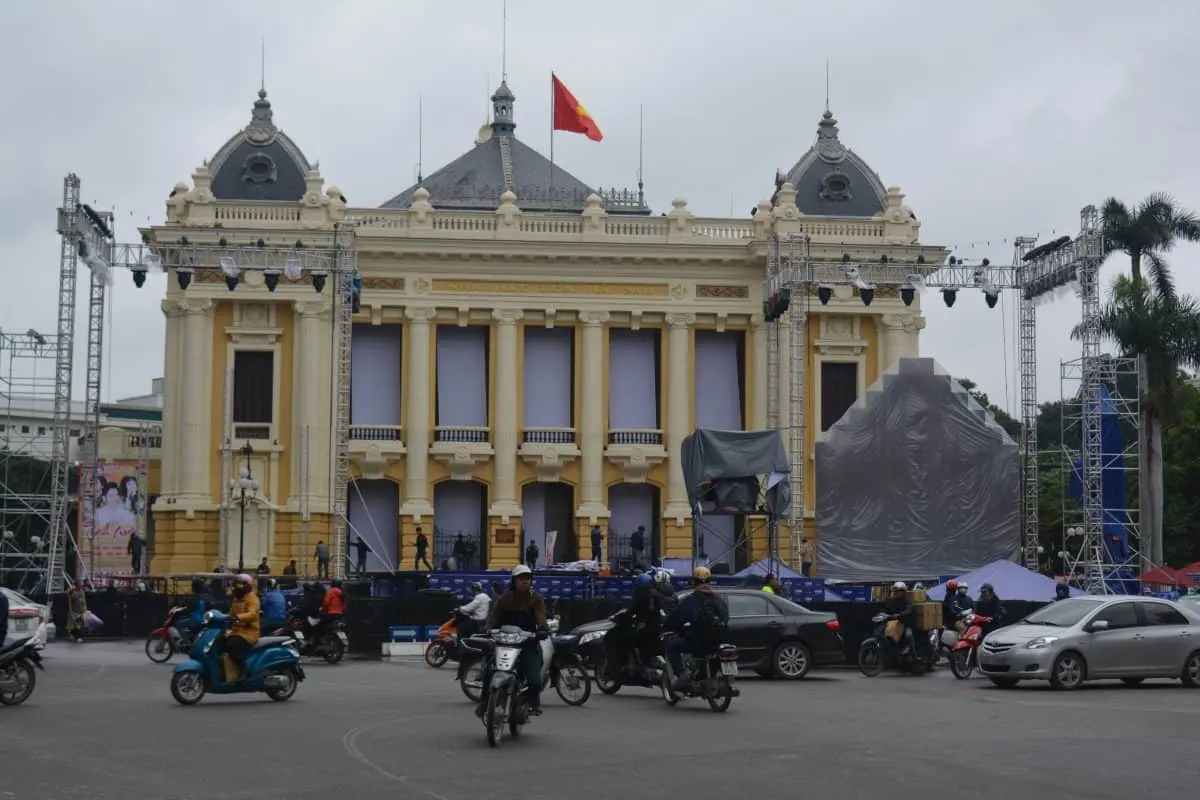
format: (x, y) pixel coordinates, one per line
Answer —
(833, 181)
(259, 162)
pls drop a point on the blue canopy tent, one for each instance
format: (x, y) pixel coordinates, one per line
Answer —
(1011, 582)
(762, 568)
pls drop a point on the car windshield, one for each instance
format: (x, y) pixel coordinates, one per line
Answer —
(1063, 613)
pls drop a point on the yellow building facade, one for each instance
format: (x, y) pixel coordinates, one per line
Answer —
(501, 248)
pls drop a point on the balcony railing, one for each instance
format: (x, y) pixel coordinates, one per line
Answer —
(460, 434)
(376, 433)
(252, 430)
(549, 436)
(642, 437)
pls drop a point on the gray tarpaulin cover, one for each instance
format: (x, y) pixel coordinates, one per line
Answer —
(915, 480)
(736, 472)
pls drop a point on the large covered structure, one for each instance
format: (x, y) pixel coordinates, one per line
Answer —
(643, 329)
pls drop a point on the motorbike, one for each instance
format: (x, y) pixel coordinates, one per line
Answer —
(942, 642)
(635, 671)
(325, 640)
(443, 646)
(878, 652)
(506, 691)
(965, 656)
(18, 660)
(711, 678)
(171, 637)
(562, 668)
(272, 666)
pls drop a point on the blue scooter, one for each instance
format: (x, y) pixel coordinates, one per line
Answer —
(272, 666)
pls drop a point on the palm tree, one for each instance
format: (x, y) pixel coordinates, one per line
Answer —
(1146, 234)
(1163, 332)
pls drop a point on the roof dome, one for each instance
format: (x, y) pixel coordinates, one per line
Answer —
(259, 162)
(500, 162)
(833, 181)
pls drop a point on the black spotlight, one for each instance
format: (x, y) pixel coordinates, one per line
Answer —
(867, 295)
(260, 243)
(824, 292)
(139, 277)
(232, 281)
(271, 278)
(846, 258)
(183, 276)
(920, 258)
(223, 242)
(883, 259)
(990, 298)
(907, 293)
(949, 296)
(318, 281)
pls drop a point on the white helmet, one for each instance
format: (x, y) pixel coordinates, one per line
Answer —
(521, 569)
(662, 577)
(900, 586)
(962, 586)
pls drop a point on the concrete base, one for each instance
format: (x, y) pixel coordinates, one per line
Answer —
(403, 649)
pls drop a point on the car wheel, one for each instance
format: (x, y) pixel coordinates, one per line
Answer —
(1069, 671)
(1191, 671)
(792, 661)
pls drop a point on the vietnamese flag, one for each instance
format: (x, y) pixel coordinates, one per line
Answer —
(569, 113)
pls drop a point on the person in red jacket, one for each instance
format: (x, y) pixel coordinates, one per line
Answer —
(334, 604)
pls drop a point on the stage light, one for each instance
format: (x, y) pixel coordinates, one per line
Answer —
(920, 258)
(867, 295)
(949, 296)
(232, 273)
(139, 277)
(292, 268)
(883, 259)
(318, 279)
(824, 293)
(991, 297)
(183, 276)
(271, 278)
(907, 293)
(846, 257)
(95, 263)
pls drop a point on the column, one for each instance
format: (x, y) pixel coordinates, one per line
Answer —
(196, 391)
(169, 476)
(504, 434)
(417, 431)
(758, 412)
(898, 338)
(679, 417)
(309, 472)
(592, 427)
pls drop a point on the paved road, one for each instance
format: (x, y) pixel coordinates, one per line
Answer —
(102, 725)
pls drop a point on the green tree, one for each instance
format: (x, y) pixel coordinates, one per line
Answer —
(1163, 331)
(1010, 425)
(1181, 481)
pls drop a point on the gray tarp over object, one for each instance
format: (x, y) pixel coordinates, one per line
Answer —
(737, 472)
(916, 480)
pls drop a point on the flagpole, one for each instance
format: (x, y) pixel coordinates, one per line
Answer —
(553, 106)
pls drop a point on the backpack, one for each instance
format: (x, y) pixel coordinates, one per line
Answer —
(709, 622)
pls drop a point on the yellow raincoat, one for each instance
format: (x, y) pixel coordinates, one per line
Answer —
(247, 613)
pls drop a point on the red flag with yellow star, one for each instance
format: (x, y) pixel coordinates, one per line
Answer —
(569, 113)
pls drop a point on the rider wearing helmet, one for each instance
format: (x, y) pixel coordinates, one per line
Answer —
(274, 606)
(470, 617)
(988, 605)
(244, 631)
(698, 621)
(521, 607)
(963, 605)
(900, 607)
(949, 617)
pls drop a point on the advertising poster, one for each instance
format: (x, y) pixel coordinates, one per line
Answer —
(104, 546)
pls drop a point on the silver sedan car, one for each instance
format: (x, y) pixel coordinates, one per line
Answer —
(1096, 638)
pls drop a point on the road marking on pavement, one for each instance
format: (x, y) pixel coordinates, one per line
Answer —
(350, 745)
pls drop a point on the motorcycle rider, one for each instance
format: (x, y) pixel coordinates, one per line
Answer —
(949, 616)
(698, 621)
(988, 605)
(274, 606)
(963, 604)
(900, 608)
(244, 631)
(472, 616)
(201, 602)
(523, 608)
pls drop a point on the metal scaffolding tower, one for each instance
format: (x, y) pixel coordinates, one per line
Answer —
(797, 327)
(1027, 345)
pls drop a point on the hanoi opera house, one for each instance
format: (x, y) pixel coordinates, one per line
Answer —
(527, 356)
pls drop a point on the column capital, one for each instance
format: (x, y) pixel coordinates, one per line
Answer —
(507, 316)
(171, 308)
(680, 321)
(420, 314)
(909, 323)
(593, 319)
(757, 321)
(310, 310)
(197, 306)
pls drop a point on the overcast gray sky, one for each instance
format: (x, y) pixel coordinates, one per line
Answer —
(995, 123)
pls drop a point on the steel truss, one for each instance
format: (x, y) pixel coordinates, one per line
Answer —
(339, 261)
(1087, 560)
(27, 498)
(1035, 272)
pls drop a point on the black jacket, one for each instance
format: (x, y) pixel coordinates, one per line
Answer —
(988, 607)
(902, 608)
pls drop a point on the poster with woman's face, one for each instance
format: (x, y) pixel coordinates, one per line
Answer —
(104, 545)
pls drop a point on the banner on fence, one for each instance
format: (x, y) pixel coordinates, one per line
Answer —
(104, 544)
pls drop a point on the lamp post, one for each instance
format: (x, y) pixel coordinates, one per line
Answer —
(245, 482)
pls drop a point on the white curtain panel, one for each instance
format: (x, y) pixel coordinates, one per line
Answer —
(462, 377)
(548, 377)
(718, 381)
(374, 514)
(457, 507)
(632, 379)
(533, 518)
(375, 363)
(631, 505)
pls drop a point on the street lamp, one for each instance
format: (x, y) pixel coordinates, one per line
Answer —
(245, 482)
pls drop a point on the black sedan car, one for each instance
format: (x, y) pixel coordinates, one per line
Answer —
(773, 636)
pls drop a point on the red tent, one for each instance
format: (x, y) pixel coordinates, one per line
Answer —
(1191, 571)
(1165, 576)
